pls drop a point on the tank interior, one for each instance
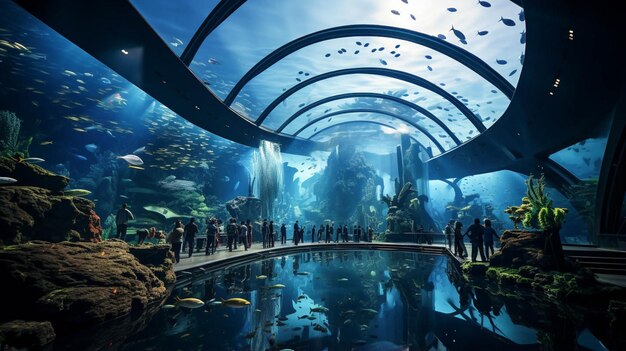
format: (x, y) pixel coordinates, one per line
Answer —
(402, 175)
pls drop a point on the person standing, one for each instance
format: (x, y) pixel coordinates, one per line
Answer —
(243, 235)
(296, 233)
(459, 247)
(211, 232)
(191, 229)
(448, 230)
(264, 233)
(121, 221)
(271, 234)
(313, 234)
(370, 234)
(320, 232)
(249, 226)
(283, 234)
(301, 238)
(345, 233)
(476, 232)
(489, 234)
(338, 233)
(176, 239)
(231, 233)
(329, 234)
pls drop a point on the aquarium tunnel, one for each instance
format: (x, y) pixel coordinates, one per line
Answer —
(312, 175)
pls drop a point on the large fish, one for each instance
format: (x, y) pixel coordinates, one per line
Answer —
(76, 192)
(7, 180)
(132, 159)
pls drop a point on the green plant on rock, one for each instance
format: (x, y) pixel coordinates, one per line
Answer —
(537, 212)
(9, 132)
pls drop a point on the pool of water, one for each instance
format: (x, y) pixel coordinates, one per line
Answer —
(355, 300)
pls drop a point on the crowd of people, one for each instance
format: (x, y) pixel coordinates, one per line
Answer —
(183, 237)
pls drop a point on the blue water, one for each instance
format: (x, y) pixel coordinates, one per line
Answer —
(376, 300)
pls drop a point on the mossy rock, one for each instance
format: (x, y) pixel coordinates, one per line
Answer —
(477, 269)
(528, 271)
(31, 175)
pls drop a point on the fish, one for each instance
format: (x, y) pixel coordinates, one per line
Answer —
(369, 310)
(136, 167)
(225, 179)
(395, 12)
(522, 39)
(276, 286)
(91, 148)
(7, 180)
(429, 68)
(327, 55)
(342, 279)
(176, 43)
(80, 157)
(512, 72)
(483, 32)
(262, 276)
(507, 21)
(303, 316)
(501, 62)
(412, 17)
(168, 307)
(213, 61)
(105, 80)
(47, 142)
(32, 160)
(458, 33)
(140, 150)
(522, 16)
(189, 302)
(319, 309)
(236, 302)
(521, 58)
(303, 273)
(451, 9)
(132, 159)
(76, 192)
(383, 62)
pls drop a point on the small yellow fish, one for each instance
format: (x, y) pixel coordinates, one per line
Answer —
(136, 167)
(44, 143)
(262, 276)
(80, 130)
(236, 302)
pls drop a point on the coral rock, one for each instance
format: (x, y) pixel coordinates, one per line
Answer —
(32, 213)
(521, 248)
(31, 175)
(243, 207)
(27, 335)
(77, 285)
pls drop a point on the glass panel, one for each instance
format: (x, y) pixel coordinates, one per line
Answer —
(259, 27)
(368, 137)
(583, 159)
(355, 83)
(371, 103)
(175, 21)
(472, 90)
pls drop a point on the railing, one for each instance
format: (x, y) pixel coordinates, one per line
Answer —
(612, 241)
(436, 238)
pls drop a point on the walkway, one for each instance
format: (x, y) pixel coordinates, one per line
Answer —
(198, 259)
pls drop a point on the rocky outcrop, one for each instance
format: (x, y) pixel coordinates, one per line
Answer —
(78, 285)
(31, 175)
(33, 213)
(158, 258)
(519, 248)
(26, 335)
(244, 208)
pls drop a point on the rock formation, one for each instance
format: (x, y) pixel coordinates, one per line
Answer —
(80, 285)
(244, 208)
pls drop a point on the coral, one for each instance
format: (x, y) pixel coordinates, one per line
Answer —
(31, 175)
(79, 285)
(9, 132)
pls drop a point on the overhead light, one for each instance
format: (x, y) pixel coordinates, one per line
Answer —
(124, 52)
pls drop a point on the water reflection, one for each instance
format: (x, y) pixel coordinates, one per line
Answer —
(354, 300)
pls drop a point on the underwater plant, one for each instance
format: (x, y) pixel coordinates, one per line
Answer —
(10, 126)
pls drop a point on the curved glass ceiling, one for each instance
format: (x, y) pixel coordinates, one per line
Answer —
(351, 104)
(492, 30)
(175, 21)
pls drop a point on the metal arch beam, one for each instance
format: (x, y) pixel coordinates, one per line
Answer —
(407, 77)
(371, 110)
(219, 13)
(409, 104)
(362, 30)
(370, 122)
